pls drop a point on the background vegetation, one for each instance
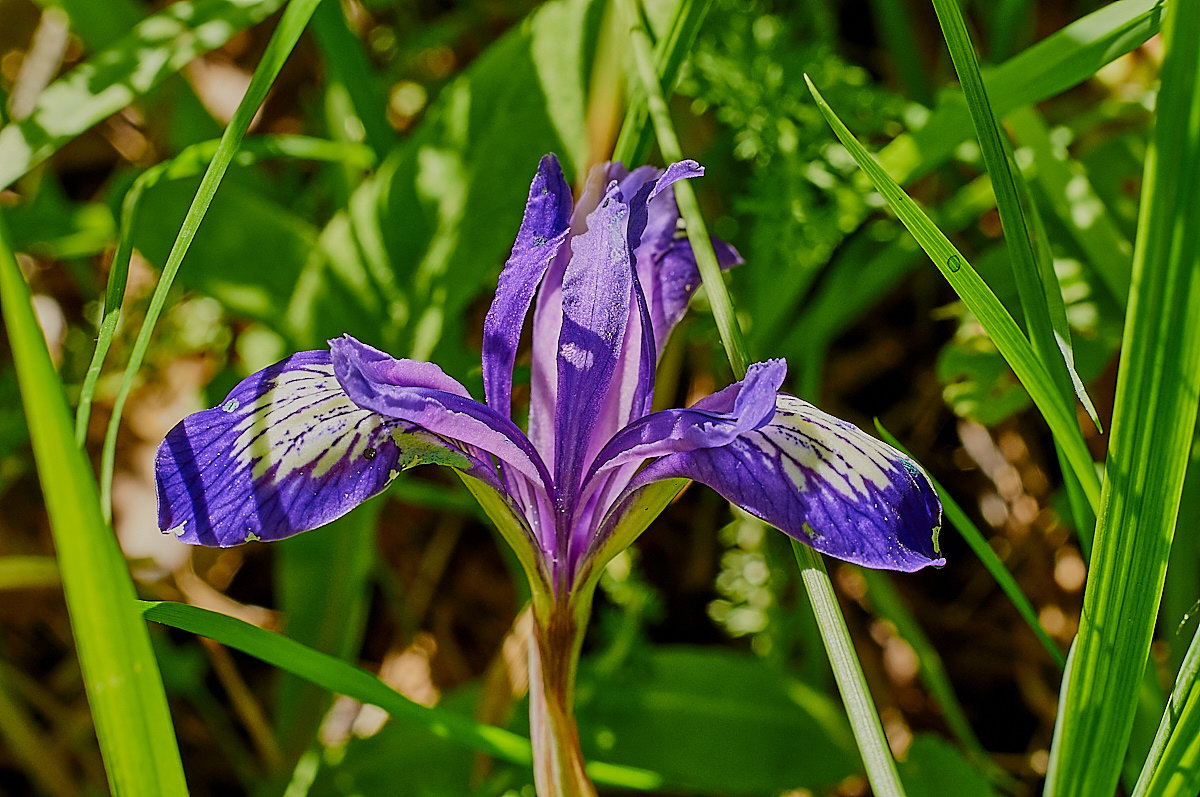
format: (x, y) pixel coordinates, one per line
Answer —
(377, 192)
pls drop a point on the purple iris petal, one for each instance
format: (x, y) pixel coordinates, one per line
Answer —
(420, 394)
(824, 482)
(286, 452)
(596, 296)
(543, 230)
(715, 421)
(547, 326)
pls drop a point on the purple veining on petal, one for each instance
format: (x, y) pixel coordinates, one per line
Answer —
(824, 482)
(547, 326)
(714, 422)
(632, 390)
(378, 382)
(543, 230)
(286, 452)
(596, 298)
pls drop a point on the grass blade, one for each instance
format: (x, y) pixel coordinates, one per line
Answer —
(340, 677)
(1173, 765)
(852, 684)
(191, 161)
(113, 78)
(120, 673)
(685, 196)
(635, 138)
(1154, 416)
(291, 25)
(1041, 299)
(978, 297)
(1053, 65)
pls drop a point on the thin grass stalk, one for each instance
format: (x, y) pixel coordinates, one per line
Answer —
(1177, 732)
(881, 767)
(1158, 385)
(847, 672)
(689, 208)
(283, 40)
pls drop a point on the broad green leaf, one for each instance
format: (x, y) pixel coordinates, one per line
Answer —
(983, 303)
(129, 707)
(1154, 416)
(745, 721)
(935, 769)
(113, 78)
(343, 678)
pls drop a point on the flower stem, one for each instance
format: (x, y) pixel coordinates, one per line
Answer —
(852, 684)
(558, 768)
(685, 197)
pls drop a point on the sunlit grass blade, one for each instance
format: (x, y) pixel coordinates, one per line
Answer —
(286, 34)
(1172, 769)
(1154, 416)
(121, 676)
(340, 677)
(851, 683)
(978, 297)
(1041, 299)
(670, 51)
(1053, 65)
(190, 162)
(991, 562)
(112, 79)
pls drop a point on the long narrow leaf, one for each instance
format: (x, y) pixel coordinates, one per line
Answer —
(979, 298)
(291, 25)
(340, 677)
(191, 161)
(113, 78)
(1053, 65)
(1154, 415)
(851, 683)
(120, 673)
(1041, 299)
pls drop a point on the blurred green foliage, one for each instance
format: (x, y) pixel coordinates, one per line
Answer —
(443, 111)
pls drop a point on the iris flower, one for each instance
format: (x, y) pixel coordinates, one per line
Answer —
(306, 440)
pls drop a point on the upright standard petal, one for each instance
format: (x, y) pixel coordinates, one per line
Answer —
(596, 296)
(421, 394)
(544, 227)
(287, 451)
(824, 482)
